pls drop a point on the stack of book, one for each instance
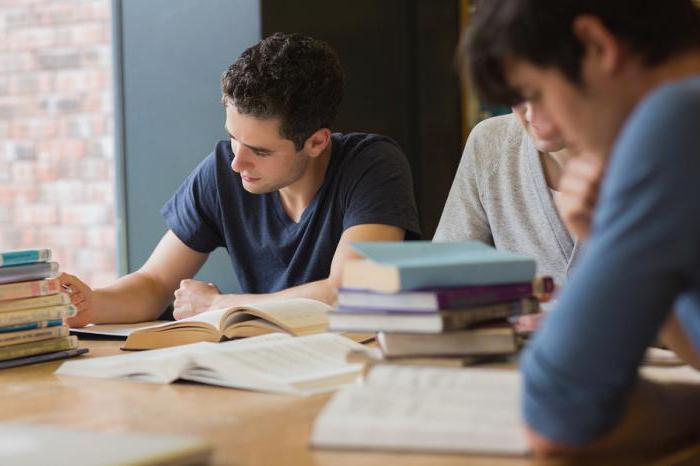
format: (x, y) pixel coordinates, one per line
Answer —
(32, 309)
(437, 303)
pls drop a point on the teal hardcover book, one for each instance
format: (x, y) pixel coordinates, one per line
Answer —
(28, 256)
(410, 265)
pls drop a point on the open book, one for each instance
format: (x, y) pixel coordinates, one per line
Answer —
(276, 363)
(426, 409)
(297, 316)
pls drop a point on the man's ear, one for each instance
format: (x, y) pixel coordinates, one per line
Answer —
(602, 51)
(317, 142)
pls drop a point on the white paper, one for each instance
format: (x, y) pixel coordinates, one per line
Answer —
(427, 409)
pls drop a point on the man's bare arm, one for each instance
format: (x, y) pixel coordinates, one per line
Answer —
(195, 296)
(139, 296)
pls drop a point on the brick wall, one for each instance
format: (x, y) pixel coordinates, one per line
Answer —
(56, 133)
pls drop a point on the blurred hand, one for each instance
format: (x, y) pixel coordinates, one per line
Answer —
(193, 297)
(579, 193)
(81, 296)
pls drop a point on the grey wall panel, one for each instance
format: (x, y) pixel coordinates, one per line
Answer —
(170, 54)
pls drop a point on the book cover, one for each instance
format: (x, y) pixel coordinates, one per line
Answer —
(27, 336)
(24, 272)
(31, 325)
(26, 256)
(441, 298)
(412, 265)
(38, 347)
(498, 340)
(29, 289)
(427, 322)
(37, 358)
(57, 299)
(37, 315)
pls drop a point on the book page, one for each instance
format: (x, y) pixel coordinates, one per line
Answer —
(430, 409)
(155, 366)
(281, 365)
(298, 313)
(116, 330)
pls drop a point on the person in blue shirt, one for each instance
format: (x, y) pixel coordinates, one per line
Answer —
(283, 194)
(621, 80)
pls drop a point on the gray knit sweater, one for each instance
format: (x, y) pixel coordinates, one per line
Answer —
(500, 196)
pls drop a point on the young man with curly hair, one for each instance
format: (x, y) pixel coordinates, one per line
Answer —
(284, 195)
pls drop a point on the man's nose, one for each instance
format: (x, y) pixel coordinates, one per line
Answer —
(240, 159)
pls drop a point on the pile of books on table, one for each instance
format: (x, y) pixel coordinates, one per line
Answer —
(445, 304)
(32, 310)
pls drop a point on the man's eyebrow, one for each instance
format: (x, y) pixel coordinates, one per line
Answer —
(253, 148)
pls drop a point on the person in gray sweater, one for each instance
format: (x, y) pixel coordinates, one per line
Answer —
(505, 192)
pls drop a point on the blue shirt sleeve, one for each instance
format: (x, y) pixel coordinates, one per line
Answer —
(643, 255)
(378, 189)
(192, 213)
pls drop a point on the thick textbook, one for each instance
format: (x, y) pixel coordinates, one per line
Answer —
(298, 316)
(27, 256)
(426, 409)
(28, 336)
(30, 326)
(442, 298)
(497, 340)
(44, 357)
(34, 445)
(29, 289)
(20, 273)
(28, 316)
(427, 322)
(277, 363)
(58, 299)
(38, 347)
(411, 265)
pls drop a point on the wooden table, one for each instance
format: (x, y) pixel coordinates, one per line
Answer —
(246, 428)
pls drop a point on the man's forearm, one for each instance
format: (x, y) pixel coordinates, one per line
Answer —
(321, 290)
(658, 416)
(133, 298)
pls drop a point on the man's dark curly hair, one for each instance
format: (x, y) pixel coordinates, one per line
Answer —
(288, 76)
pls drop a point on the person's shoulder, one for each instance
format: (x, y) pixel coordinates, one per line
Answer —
(493, 140)
(367, 150)
(674, 99)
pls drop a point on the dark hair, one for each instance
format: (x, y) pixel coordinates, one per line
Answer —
(289, 76)
(540, 32)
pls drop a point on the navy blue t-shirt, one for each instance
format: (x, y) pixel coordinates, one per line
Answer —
(368, 180)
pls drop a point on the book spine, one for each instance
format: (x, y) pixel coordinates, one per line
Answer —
(462, 319)
(29, 289)
(459, 298)
(453, 275)
(36, 315)
(31, 326)
(27, 336)
(45, 346)
(57, 299)
(20, 273)
(42, 357)
(28, 256)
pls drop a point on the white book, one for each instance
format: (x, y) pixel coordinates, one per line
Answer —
(426, 409)
(277, 363)
(35, 445)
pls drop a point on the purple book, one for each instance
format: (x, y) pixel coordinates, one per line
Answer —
(436, 299)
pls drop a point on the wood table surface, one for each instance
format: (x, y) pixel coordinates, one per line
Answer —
(244, 427)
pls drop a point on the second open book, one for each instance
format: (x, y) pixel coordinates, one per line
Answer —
(277, 363)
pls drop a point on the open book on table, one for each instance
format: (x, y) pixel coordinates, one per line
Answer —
(276, 363)
(472, 410)
(297, 316)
